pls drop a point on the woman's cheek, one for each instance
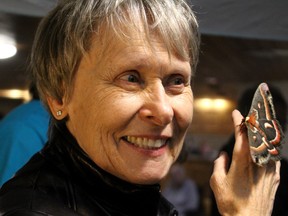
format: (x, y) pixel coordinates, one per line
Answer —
(183, 108)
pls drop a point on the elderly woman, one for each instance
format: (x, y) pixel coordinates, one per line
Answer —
(116, 77)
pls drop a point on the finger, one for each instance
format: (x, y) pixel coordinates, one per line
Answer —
(269, 170)
(273, 167)
(277, 172)
(241, 149)
(271, 175)
(219, 171)
(278, 166)
(221, 164)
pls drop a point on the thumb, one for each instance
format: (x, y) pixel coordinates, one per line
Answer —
(241, 149)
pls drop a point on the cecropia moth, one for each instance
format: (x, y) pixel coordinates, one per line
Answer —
(265, 134)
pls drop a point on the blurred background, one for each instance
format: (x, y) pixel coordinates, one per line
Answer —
(243, 44)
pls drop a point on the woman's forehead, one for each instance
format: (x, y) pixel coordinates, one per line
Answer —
(109, 40)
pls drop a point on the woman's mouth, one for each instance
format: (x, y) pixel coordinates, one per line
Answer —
(146, 143)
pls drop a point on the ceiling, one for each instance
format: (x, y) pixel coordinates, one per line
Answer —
(229, 57)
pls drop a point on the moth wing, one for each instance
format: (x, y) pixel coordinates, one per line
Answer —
(272, 131)
(264, 131)
(258, 148)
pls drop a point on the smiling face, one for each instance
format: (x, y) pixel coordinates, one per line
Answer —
(130, 108)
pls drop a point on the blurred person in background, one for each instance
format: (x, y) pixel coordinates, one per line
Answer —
(27, 122)
(182, 191)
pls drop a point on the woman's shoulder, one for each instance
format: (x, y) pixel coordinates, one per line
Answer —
(44, 187)
(37, 188)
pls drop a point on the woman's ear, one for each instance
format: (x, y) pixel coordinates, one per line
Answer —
(57, 108)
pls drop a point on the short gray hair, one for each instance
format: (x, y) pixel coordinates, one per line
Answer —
(64, 35)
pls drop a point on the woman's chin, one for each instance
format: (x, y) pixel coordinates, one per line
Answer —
(149, 177)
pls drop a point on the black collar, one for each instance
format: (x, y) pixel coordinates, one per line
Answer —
(114, 193)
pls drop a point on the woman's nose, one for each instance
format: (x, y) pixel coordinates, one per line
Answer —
(157, 107)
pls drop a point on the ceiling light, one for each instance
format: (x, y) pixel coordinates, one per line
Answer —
(7, 47)
(15, 94)
(212, 104)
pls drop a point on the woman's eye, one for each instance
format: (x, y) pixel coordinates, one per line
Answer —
(132, 78)
(176, 81)
(176, 84)
(129, 81)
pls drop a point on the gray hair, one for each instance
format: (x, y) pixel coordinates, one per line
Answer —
(64, 35)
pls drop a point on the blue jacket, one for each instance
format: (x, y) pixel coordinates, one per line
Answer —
(23, 131)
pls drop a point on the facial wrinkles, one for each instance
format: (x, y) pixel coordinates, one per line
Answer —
(183, 100)
(93, 99)
(149, 94)
(98, 141)
(180, 122)
(152, 66)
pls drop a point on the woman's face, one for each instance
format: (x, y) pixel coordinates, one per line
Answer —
(131, 107)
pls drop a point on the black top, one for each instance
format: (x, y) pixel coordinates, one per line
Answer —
(63, 180)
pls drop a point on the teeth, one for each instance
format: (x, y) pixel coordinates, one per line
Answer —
(145, 142)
